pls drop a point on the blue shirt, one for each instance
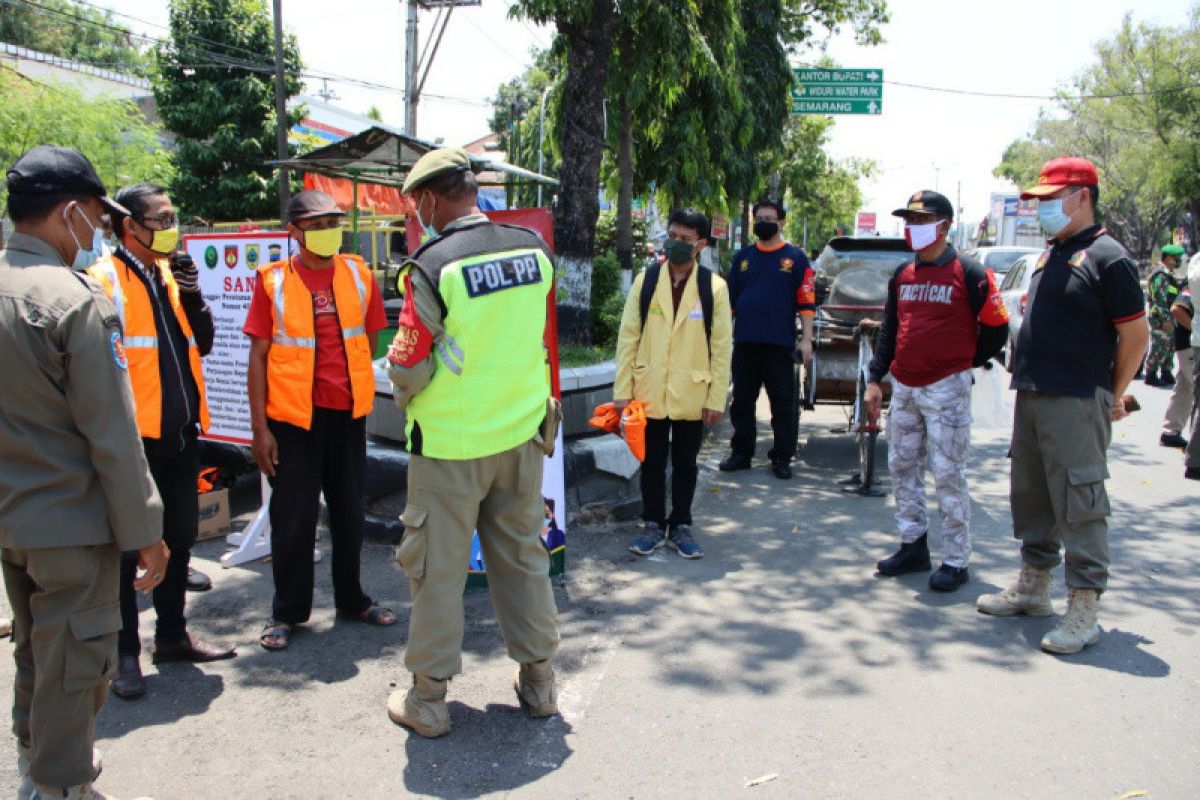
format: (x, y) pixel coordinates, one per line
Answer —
(767, 289)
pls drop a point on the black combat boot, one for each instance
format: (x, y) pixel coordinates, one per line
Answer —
(911, 557)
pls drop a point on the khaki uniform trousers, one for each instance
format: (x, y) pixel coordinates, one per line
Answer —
(1183, 397)
(1059, 500)
(501, 497)
(66, 617)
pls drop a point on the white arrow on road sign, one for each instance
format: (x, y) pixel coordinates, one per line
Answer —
(872, 75)
(871, 107)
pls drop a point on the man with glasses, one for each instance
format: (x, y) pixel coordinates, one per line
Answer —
(1081, 340)
(770, 284)
(168, 329)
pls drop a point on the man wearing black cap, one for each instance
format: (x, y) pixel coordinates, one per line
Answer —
(75, 489)
(1081, 340)
(943, 316)
(469, 367)
(313, 321)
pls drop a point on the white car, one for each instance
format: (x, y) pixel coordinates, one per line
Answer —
(1014, 290)
(1000, 259)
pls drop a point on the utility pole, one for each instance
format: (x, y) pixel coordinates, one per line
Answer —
(410, 71)
(281, 118)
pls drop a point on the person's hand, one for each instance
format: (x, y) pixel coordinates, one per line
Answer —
(806, 350)
(1122, 408)
(184, 269)
(265, 451)
(710, 417)
(620, 405)
(152, 561)
(874, 399)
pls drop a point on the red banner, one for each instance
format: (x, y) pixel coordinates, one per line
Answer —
(371, 197)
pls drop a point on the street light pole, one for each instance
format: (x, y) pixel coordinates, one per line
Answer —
(410, 71)
(281, 118)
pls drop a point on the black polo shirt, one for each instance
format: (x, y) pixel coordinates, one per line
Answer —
(1080, 291)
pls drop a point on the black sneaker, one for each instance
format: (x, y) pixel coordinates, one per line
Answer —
(948, 578)
(1172, 440)
(911, 557)
(1192, 473)
(1166, 378)
(734, 463)
(781, 470)
(1152, 379)
(197, 581)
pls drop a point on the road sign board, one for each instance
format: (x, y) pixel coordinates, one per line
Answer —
(805, 106)
(837, 91)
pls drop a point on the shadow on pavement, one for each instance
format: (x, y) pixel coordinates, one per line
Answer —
(494, 750)
(178, 691)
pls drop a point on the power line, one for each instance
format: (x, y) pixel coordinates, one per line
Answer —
(1005, 95)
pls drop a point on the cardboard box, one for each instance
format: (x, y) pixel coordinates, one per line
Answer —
(214, 515)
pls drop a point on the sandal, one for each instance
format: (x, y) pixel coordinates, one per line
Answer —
(373, 615)
(276, 635)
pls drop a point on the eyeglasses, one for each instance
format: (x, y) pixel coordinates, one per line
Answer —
(162, 220)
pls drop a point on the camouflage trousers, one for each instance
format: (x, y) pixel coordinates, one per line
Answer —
(1162, 353)
(932, 425)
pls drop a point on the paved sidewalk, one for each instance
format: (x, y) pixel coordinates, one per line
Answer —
(778, 659)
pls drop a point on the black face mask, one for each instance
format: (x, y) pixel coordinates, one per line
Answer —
(765, 230)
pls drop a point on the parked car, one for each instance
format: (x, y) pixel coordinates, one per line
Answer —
(1000, 259)
(1014, 290)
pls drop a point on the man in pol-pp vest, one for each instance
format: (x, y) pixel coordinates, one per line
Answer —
(168, 328)
(313, 322)
(943, 315)
(75, 489)
(469, 366)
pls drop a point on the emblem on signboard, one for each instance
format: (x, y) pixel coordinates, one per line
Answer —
(275, 251)
(231, 255)
(251, 256)
(210, 257)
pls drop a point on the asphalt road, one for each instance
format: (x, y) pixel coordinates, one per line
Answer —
(777, 666)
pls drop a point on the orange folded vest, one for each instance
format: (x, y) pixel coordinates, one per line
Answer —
(630, 426)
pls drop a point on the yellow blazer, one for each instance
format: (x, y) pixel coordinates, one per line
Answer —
(667, 365)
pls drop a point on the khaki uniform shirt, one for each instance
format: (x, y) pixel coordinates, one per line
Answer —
(72, 468)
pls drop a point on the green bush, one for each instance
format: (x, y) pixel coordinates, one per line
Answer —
(607, 300)
(606, 235)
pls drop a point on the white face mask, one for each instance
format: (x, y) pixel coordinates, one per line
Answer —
(921, 236)
(430, 230)
(85, 258)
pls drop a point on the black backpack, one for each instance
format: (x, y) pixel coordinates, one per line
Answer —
(703, 283)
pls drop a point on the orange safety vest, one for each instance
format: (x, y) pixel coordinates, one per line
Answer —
(292, 359)
(132, 300)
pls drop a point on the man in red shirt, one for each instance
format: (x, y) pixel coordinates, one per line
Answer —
(313, 322)
(943, 315)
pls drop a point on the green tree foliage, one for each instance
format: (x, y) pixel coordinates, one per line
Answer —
(1139, 122)
(517, 119)
(817, 189)
(113, 134)
(63, 28)
(216, 93)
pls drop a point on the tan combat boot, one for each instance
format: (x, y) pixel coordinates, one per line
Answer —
(423, 708)
(1029, 595)
(535, 688)
(1077, 629)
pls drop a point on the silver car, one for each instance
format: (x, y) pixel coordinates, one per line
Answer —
(1014, 290)
(1000, 258)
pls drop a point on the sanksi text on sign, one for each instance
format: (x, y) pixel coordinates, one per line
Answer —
(504, 273)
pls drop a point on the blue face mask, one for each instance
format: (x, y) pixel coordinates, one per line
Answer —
(430, 231)
(85, 258)
(1052, 217)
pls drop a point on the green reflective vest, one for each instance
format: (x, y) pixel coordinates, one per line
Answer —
(488, 393)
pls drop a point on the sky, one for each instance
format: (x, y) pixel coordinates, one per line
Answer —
(924, 139)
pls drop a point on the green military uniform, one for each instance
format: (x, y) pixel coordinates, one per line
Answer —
(75, 491)
(477, 403)
(1162, 291)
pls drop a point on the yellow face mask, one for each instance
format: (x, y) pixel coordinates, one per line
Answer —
(323, 243)
(165, 241)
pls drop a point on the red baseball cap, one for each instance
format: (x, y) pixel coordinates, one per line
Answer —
(1060, 173)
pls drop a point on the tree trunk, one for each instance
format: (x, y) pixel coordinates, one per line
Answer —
(625, 192)
(589, 47)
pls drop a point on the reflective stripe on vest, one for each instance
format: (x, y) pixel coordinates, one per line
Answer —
(291, 361)
(492, 394)
(135, 310)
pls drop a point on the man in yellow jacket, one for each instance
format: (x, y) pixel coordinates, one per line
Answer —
(673, 356)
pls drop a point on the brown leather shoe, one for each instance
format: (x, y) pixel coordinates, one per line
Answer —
(189, 649)
(129, 683)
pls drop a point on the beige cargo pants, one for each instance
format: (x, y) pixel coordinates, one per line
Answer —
(501, 497)
(65, 623)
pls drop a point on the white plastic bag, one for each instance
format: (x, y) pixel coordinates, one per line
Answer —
(991, 402)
